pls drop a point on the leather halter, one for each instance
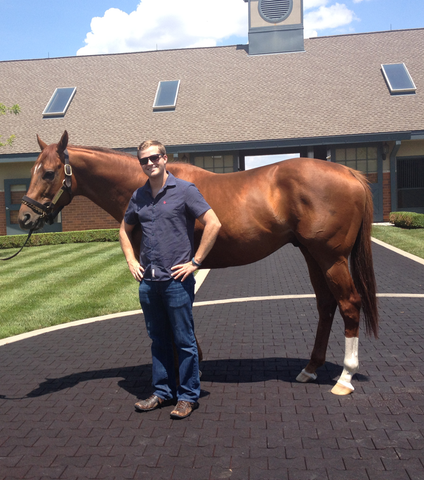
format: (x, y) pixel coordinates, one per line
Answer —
(46, 211)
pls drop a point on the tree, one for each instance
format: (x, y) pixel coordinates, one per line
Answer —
(3, 111)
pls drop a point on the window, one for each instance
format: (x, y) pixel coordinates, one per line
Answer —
(363, 159)
(398, 78)
(166, 95)
(215, 163)
(59, 103)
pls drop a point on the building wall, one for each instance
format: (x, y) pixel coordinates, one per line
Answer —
(83, 214)
(14, 170)
(411, 148)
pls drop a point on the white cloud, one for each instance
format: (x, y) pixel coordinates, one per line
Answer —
(323, 18)
(166, 24)
(170, 24)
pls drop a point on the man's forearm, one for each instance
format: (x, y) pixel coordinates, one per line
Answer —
(133, 264)
(210, 233)
(125, 242)
(209, 236)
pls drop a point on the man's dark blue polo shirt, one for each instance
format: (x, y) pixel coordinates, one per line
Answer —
(167, 224)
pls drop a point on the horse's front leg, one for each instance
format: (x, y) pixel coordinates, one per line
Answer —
(326, 314)
(326, 305)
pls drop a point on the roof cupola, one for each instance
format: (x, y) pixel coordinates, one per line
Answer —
(275, 26)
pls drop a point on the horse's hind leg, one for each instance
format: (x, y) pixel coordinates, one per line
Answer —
(332, 288)
(326, 305)
(349, 302)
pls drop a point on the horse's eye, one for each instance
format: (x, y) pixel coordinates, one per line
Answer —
(49, 175)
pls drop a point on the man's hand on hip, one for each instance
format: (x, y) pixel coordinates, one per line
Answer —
(183, 271)
(136, 270)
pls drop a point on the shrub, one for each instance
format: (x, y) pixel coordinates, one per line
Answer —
(37, 239)
(407, 219)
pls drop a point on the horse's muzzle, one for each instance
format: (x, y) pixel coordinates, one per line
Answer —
(29, 220)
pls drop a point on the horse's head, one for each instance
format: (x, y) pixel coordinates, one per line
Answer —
(50, 188)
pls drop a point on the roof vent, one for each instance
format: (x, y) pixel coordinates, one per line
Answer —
(275, 11)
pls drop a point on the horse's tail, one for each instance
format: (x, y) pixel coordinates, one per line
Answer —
(361, 263)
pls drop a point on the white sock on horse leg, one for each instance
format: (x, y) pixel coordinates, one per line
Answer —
(351, 362)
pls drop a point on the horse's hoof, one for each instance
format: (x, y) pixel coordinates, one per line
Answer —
(305, 376)
(342, 389)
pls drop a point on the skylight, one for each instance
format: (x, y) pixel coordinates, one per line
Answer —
(166, 95)
(59, 103)
(398, 78)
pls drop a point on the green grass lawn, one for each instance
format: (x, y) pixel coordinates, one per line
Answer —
(409, 240)
(50, 285)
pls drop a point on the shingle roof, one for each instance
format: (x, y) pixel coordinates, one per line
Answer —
(335, 87)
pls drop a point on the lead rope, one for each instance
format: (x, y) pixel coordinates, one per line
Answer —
(20, 250)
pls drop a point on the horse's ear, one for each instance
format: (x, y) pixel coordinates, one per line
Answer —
(63, 143)
(42, 144)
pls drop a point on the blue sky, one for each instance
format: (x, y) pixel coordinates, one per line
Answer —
(54, 28)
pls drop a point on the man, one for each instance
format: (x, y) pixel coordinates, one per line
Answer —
(166, 208)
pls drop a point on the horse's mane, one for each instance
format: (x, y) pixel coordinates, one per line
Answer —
(110, 151)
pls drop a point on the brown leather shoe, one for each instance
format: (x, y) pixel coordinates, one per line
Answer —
(152, 403)
(183, 409)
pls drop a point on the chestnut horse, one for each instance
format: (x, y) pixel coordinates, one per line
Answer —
(323, 208)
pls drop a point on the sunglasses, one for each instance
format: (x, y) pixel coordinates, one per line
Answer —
(152, 158)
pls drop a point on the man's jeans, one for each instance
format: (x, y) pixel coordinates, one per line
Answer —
(167, 308)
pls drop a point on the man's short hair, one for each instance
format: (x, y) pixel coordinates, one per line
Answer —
(151, 143)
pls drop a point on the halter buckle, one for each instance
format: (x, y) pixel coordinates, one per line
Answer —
(68, 170)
